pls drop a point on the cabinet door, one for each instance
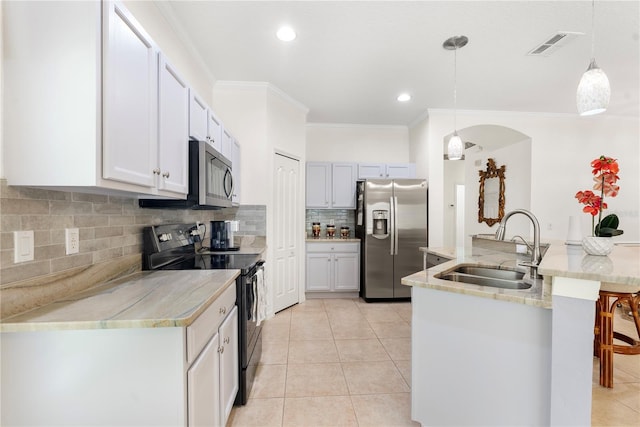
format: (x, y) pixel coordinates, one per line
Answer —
(198, 117)
(318, 185)
(235, 172)
(203, 387)
(130, 103)
(346, 272)
(229, 371)
(343, 178)
(371, 170)
(227, 144)
(214, 130)
(173, 103)
(401, 170)
(318, 272)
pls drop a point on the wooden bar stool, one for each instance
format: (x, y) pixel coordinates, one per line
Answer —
(604, 334)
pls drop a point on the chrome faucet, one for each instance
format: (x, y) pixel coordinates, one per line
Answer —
(536, 255)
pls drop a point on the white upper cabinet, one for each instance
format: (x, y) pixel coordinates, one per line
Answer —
(386, 170)
(343, 185)
(173, 134)
(235, 172)
(198, 117)
(331, 185)
(227, 144)
(130, 69)
(318, 185)
(89, 72)
(214, 130)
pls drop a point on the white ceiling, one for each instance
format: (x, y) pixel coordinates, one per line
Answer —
(352, 58)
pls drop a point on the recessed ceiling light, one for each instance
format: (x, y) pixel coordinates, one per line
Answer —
(286, 34)
(404, 97)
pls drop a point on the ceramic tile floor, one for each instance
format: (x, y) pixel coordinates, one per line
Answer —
(343, 362)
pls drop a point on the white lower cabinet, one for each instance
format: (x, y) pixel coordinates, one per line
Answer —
(229, 369)
(333, 267)
(178, 376)
(212, 379)
(203, 386)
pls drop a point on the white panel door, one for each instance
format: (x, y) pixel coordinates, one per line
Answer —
(318, 272)
(343, 185)
(371, 170)
(203, 387)
(286, 230)
(130, 104)
(198, 117)
(229, 381)
(346, 272)
(173, 100)
(318, 185)
(214, 130)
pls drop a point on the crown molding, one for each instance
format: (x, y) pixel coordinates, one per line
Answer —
(266, 86)
(356, 126)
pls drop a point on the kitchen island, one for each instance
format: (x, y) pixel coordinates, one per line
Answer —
(492, 356)
(133, 351)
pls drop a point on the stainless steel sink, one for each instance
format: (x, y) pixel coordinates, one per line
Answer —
(494, 277)
(493, 273)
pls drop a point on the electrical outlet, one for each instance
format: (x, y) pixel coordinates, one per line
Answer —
(72, 240)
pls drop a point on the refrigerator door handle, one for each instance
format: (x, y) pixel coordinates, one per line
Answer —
(392, 226)
(395, 226)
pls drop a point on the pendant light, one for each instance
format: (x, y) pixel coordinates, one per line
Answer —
(594, 91)
(455, 147)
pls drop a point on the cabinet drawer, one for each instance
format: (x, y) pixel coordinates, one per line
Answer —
(330, 247)
(206, 325)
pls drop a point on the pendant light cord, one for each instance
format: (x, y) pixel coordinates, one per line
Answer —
(593, 31)
(455, 88)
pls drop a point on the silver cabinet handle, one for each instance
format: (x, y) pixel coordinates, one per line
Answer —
(223, 310)
(221, 349)
(226, 340)
(156, 171)
(166, 174)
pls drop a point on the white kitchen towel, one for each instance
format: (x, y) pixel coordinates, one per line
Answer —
(261, 297)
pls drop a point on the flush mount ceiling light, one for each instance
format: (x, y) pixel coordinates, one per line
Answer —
(594, 91)
(455, 147)
(286, 34)
(404, 97)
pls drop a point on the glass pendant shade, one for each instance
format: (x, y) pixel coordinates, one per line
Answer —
(455, 147)
(593, 92)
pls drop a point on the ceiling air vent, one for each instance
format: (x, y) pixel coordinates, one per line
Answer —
(561, 38)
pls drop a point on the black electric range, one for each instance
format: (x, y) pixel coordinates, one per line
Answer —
(173, 247)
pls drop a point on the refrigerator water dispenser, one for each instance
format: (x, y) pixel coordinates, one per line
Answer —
(380, 221)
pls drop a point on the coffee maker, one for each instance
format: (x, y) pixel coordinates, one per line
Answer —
(222, 236)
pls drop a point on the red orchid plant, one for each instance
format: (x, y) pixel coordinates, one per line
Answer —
(605, 174)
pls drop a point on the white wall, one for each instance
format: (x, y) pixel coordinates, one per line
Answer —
(243, 110)
(562, 147)
(516, 159)
(357, 143)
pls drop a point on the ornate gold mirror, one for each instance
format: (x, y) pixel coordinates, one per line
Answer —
(491, 199)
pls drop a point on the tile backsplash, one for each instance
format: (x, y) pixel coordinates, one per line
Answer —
(110, 227)
(340, 217)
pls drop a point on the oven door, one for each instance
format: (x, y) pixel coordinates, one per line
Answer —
(215, 181)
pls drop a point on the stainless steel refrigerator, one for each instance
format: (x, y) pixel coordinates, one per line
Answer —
(391, 222)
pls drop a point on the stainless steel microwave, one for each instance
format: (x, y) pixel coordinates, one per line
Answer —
(210, 181)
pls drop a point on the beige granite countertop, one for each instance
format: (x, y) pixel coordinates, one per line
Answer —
(147, 299)
(538, 295)
(618, 272)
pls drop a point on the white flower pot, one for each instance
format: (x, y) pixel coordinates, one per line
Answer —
(597, 245)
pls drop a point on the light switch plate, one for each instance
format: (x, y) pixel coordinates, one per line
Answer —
(22, 246)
